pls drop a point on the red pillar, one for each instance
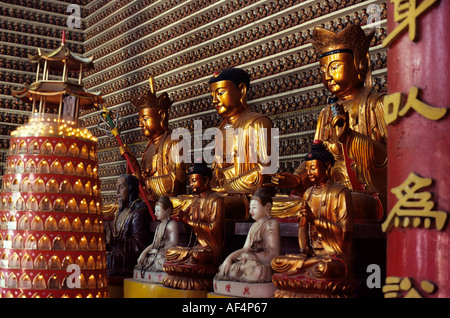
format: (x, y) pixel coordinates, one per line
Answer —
(417, 144)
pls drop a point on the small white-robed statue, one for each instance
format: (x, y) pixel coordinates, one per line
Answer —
(150, 263)
(247, 272)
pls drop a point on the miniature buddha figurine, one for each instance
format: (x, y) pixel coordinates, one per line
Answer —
(130, 232)
(354, 129)
(235, 171)
(252, 263)
(151, 261)
(194, 267)
(325, 237)
(157, 171)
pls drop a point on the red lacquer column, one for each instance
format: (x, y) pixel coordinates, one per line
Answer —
(421, 146)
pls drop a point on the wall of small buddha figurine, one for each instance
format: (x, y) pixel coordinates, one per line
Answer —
(25, 26)
(269, 39)
(181, 43)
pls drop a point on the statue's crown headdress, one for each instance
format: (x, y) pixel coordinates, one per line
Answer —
(148, 99)
(352, 39)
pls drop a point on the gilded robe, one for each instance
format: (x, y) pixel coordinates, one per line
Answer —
(238, 170)
(206, 217)
(360, 164)
(162, 175)
(330, 236)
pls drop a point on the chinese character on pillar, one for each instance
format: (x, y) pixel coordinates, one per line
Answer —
(416, 227)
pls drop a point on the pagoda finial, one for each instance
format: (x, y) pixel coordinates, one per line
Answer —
(63, 40)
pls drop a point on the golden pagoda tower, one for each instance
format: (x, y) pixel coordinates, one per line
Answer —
(52, 241)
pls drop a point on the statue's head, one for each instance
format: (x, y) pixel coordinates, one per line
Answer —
(261, 204)
(200, 176)
(127, 190)
(153, 112)
(229, 91)
(344, 59)
(163, 208)
(318, 163)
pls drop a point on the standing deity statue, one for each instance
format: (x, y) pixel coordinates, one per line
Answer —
(353, 129)
(193, 267)
(160, 174)
(251, 265)
(150, 263)
(324, 267)
(239, 167)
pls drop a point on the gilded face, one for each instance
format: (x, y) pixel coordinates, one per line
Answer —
(227, 98)
(339, 75)
(197, 183)
(150, 120)
(316, 171)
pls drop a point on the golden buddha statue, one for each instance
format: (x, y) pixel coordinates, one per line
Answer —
(324, 266)
(354, 129)
(160, 174)
(240, 166)
(194, 267)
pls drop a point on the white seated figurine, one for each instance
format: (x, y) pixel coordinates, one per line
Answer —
(150, 263)
(247, 272)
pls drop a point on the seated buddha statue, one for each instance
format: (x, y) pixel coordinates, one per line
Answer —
(251, 265)
(160, 174)
(150, 263)
(193, 267)
(242, 164)
(353, 128)
(324, 266)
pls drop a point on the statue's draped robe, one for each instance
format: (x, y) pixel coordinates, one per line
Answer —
(254, 264)
(361, 164)
(206, 217)
(163, 175)
(330, 237)
(242, 172)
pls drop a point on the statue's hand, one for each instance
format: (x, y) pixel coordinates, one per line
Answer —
(142, 258)
(305, 251)
(305, 211)
(124, 149)
(283, 180)
(340, 123)
(218, 189)
(226, 266)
